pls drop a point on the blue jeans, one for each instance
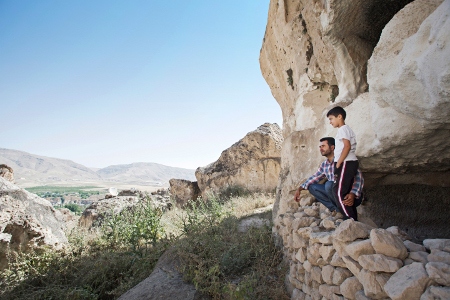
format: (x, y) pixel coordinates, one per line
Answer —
(324, 194)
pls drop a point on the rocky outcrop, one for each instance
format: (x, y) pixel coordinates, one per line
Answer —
(98, 210)
(27, 221)
(356, 260)
(183, 191)
(7, 173)
(317, 54)
(252, 163)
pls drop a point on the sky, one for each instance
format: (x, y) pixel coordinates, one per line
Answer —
(115, 82)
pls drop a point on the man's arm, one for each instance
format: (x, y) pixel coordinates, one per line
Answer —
(313, 179)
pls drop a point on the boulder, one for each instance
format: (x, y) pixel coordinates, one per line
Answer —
(350, 230)
(388, 244)
(350, 287)
(98, 210)
(341, 274)
(439, 244)
(407, 283)
(7, 173)
(183, 191)
(253, 163)
(358, 248)
(439, 256)
(380, 263)
(27, 221)
(413, 247)
(439, 272)
(373, 283)
(436, 292)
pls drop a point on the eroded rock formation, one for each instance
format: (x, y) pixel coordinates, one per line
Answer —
(252, 163)
(387, 63)
(7, 173)
(94, 214)
(27, 221)
(183, 191)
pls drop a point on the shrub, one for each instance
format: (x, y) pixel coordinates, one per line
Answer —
(137, 227)
(223, 262)
(75, 208)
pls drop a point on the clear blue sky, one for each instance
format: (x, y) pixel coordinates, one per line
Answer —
(116, 82)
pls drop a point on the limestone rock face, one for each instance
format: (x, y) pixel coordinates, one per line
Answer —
(252, 163)
(183, 190)
(27, 221)
(313, 57)
(7, 173)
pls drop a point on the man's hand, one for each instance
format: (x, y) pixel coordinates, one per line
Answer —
(297, 194)
(349, 199)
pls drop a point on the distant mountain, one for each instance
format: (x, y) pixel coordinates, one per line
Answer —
(145, 173)
(44, 170)
(30, 169)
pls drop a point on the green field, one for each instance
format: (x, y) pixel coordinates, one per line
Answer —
(59, 191)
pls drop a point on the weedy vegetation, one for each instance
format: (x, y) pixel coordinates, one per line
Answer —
(222, 260)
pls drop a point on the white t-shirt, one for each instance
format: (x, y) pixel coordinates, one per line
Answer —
(345, 132)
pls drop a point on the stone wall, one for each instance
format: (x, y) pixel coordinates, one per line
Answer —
(334, 259)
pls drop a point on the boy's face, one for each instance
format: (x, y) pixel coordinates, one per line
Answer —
(335, 121)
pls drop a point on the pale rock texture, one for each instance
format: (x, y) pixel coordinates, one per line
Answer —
(439, 244)
(27, 221)
(388, 244)
(350, 286)
(419, 256)
(94, 214)
(380, 263)
(358, 248)
(413, 247)
(439, 256)
(439, 272)
(183, 191)
(373, 283)
(408, 283)
(312, 54)
(350, 230)
(436, 292)
(252, 163)
(7, 173)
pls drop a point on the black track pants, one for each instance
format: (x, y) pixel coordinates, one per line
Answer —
(343, 182)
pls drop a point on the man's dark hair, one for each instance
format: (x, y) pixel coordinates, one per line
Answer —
(336, 111)
(330, 141)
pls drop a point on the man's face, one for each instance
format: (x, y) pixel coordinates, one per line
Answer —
(324, 148)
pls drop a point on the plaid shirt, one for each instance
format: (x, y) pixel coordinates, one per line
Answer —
(326, 170)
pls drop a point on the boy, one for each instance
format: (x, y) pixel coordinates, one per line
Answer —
(345, 160)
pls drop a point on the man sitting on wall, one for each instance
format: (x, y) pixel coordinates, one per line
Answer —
(324, 192)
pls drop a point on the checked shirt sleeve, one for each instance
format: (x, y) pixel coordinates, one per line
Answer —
(320, 174)
(358, 184)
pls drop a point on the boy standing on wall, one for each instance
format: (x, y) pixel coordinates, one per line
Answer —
(345, 160)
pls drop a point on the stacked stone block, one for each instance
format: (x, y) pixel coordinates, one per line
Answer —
(334, 259)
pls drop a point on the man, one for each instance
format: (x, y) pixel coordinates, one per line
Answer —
(324, 192)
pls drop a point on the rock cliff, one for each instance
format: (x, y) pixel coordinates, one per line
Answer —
(252, 163)
(386, 63)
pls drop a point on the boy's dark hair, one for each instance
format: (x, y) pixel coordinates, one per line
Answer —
(336, 111)
(329, 140)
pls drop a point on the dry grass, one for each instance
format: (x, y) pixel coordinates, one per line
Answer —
(221, 261)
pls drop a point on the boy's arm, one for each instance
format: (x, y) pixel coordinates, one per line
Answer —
(345, 152)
